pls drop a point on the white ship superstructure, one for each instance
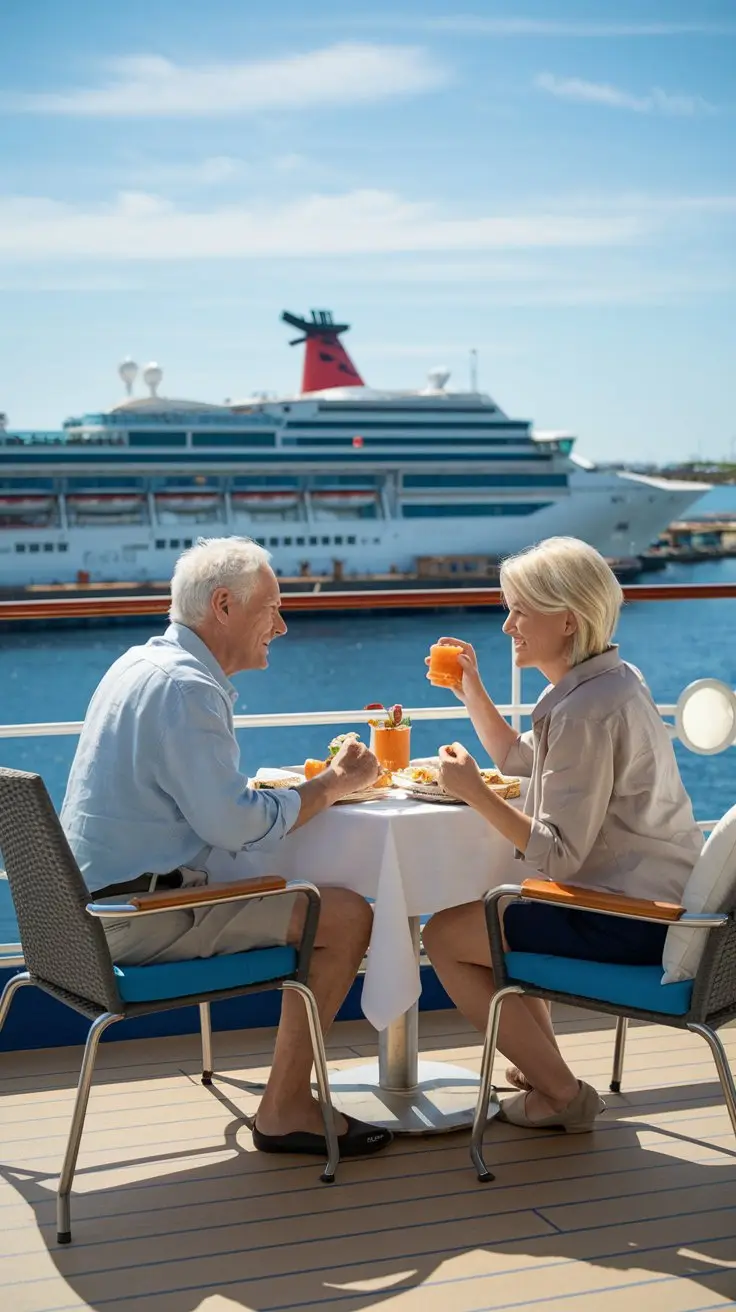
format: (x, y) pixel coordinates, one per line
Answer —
(340, 472)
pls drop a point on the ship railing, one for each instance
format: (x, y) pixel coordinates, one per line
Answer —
(515, 710)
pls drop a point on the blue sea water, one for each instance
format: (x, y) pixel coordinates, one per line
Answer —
(332, 662)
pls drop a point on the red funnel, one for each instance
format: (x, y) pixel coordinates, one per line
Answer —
(326, 362)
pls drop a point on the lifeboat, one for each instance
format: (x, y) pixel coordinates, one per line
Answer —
(25, 505)
(27, 510)
(343, 499)
(104, 503)
(264, 502)
(188, 503)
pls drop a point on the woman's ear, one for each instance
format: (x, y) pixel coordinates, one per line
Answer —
(571, 624)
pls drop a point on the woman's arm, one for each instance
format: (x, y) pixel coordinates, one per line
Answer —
(460, 775)
(577, 783)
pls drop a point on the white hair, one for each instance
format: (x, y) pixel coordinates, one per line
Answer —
(567, 574)
(213, 563)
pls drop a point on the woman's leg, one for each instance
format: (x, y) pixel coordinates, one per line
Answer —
(456, 941)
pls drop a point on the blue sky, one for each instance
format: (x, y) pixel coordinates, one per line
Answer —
(551, 183)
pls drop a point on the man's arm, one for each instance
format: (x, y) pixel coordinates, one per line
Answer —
(198, 765)
(353, 768)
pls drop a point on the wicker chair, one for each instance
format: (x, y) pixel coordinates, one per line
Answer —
(701, 1005)
(67, 955)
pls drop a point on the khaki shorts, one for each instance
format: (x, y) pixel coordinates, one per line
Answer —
(189, 933)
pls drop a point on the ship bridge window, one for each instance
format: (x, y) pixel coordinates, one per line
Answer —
(63, 546)
(444, 481)
(20, 546)
(328, 481)
(157, 439)
(101, 484)
(256, 481)
(26, 484)
(34, 546)
(470, 509)
(234, 439)
(160, 544)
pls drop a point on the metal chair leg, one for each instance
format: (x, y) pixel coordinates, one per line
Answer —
(11, 988)
(725, 1074)
(619, 1048)
(320, 1070)
(63, 1209)
(205, 1023)
(484, 1092)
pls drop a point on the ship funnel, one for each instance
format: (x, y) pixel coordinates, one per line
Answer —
(326, 362)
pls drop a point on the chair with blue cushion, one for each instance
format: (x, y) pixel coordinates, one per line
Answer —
(700, 1005)
(67, 954)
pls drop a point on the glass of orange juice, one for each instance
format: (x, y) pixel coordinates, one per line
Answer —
(444, 668)
(391, 746)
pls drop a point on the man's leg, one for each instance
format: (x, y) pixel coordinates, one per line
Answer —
(342, 937)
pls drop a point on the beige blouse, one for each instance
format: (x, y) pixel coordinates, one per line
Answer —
(608, 806)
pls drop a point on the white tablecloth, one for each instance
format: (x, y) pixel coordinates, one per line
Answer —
(412, 858)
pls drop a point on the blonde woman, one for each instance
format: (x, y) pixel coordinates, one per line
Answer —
(606, 808)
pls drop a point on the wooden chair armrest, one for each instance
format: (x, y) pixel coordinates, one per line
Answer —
(590, 899)
(173, 898)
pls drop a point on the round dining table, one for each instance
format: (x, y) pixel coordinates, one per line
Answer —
(409, 858)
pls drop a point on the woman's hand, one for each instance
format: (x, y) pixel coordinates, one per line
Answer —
(459, 774)
(472, 683)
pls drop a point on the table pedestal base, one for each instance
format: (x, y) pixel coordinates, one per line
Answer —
(443, 1098)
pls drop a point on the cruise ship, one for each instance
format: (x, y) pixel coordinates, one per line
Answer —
(340, 476)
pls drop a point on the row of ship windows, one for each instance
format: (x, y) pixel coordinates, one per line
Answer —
(340, 540)
(177, 544)
(41, 546)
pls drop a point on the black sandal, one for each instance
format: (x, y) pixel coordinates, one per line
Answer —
(359, 1140)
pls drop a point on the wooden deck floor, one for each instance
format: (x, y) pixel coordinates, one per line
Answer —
(174, 1211)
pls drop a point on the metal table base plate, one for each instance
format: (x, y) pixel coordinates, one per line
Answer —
(442, 1099)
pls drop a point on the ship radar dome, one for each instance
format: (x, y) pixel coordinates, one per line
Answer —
(128, 371)
(437, 378)
(152, 375)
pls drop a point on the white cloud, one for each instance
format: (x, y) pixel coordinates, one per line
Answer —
(471, 24)
(655, 101)
(148, 86)
(140, 226)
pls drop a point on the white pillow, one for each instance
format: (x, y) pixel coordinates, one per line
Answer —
(711, 887)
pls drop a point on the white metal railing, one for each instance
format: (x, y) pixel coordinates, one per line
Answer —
(297, 719)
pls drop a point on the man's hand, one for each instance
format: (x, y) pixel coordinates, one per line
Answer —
(460, 775)
(355, 767)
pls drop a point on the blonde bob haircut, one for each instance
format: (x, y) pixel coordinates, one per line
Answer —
(567, 574)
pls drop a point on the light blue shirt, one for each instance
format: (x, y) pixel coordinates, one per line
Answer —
(156, 781)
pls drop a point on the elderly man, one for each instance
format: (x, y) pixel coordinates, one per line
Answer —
(156, 789)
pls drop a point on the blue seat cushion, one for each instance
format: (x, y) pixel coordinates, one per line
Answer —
(623, 986)
(179, 979)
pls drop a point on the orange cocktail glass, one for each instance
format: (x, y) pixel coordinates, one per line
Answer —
(391, 747)
(444, 669)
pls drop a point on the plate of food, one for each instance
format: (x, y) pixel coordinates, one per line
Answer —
(421, 779)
